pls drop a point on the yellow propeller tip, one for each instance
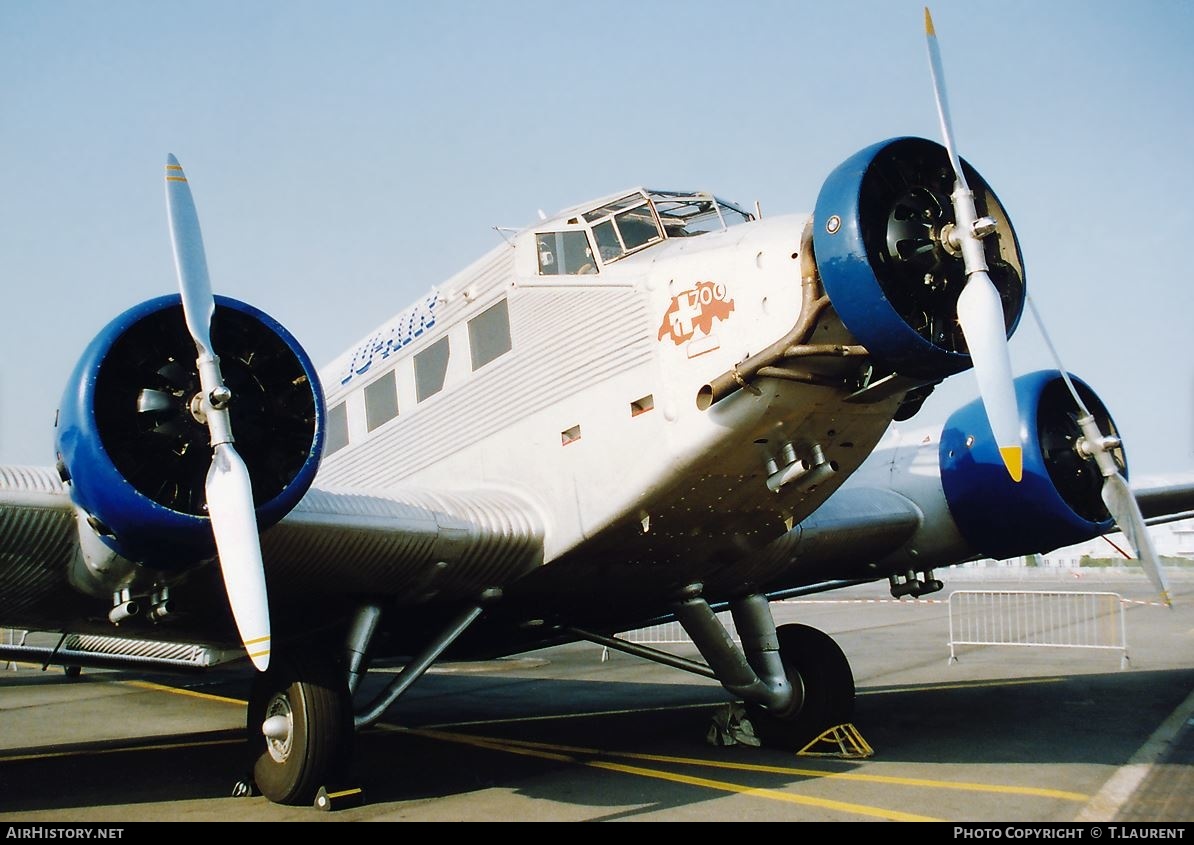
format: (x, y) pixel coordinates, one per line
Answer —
(1013, 459)
(929, 24)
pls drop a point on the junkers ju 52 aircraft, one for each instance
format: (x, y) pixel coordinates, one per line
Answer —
(651, 406)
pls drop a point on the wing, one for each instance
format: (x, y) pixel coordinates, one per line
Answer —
(410, 545)
(37, 541)
(934, 497)
(407, 548)
(1167, 502)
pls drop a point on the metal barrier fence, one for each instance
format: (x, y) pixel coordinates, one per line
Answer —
(1024, 618)
(13, 636)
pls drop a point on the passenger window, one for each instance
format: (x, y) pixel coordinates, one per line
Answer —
(381, 401)
(564, 254)
(337, 430)
(431, 366)
(489, 334)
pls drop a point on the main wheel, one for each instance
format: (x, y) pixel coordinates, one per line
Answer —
(815, 664)
(300, 728)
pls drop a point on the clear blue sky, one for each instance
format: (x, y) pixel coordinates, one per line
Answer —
(346, 156)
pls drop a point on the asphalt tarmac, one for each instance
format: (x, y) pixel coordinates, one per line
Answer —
(1004, 734)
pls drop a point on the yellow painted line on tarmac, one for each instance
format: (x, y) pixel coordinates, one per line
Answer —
(555, 717)
(206, 696)
(148, 685)
(999, 789)
(122, 749)
(547, 752)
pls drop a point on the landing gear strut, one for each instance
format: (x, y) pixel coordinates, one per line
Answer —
(302, 721)
(814, 661)
(794, 680)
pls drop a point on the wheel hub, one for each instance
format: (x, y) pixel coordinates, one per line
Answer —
(278, 728)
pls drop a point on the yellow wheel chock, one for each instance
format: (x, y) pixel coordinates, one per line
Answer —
(839, 741)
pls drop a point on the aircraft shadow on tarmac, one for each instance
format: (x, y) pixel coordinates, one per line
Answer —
(1089, 718)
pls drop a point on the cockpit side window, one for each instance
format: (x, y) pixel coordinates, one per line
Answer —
(564, 253)
(608, 244)
(638, 227)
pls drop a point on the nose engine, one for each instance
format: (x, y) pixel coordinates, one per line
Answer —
(886, 254)
(886, 249)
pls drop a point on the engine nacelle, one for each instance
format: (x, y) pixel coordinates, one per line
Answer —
(136, 456)
(881, 241)
(1058, 502)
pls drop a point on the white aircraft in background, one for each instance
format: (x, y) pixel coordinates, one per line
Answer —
(651, 406)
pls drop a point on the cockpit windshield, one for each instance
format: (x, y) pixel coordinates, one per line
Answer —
(623, 226)
(685, 215)
(631, 223)
(641, 219)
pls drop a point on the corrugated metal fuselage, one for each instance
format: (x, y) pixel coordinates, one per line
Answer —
(592, 417)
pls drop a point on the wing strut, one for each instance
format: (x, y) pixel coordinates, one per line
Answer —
(423, 661)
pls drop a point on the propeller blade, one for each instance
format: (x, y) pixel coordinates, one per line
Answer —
(980, 313)
(938, 72)
(229, 488)
(1117, 495)
(189, 258)
(1121, 503)
(234, 523)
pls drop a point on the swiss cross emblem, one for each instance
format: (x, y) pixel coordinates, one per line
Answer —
(691, 315)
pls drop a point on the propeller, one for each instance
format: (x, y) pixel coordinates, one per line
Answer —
(981, 317)
(980, 311)
(1116, 494)
(228, 488)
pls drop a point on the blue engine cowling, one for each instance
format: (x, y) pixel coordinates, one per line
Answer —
(878, 238)
(137, 459)
(1058, 502)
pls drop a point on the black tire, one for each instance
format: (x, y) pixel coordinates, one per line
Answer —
(814, 662)
(312, 693)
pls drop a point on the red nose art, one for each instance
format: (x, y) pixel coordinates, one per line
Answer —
(694, 311)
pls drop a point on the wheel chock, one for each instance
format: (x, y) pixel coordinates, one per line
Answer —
(839, 741)
(339, 799)
(245, 788)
